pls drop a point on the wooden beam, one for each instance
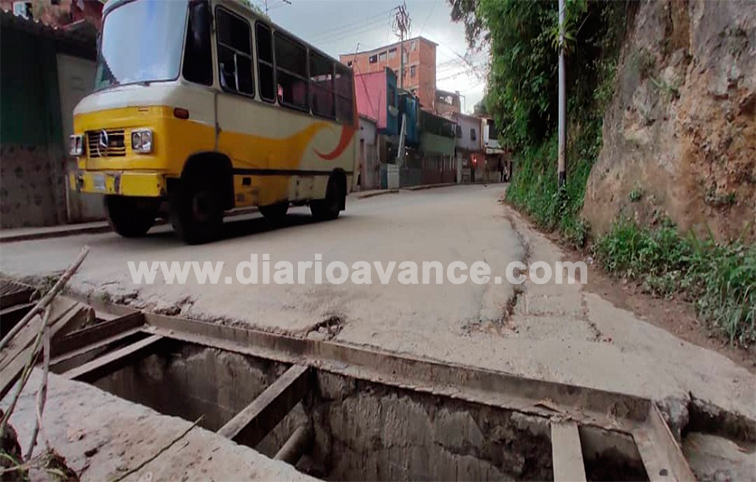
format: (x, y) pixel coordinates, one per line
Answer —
(566, 452)
(79, 339)
(262, 415)
(661, 454)
(9, 317)
(16, 355)
(114, 361)
(76, 358)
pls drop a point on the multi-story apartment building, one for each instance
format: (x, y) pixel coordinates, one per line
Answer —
(419, 66)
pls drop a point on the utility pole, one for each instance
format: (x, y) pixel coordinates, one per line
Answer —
(402, 24)
(562, 155)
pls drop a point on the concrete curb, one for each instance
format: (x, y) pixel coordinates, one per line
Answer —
(91, 228)
(430, 186)
(370, 194)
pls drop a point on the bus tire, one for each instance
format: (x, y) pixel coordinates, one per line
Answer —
(196, 210)
(130, 217)
(275, 212)
(330, 207)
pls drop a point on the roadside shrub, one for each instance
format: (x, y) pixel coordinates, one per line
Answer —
(719, 278)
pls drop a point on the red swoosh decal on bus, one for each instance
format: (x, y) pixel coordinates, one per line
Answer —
(346, 137)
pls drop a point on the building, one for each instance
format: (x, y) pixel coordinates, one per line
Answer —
(419, 66)
(377, 99)
(44, 72)
(369, 169)
(468, 145)
(447, 103)
(493, 151)
(68, 14)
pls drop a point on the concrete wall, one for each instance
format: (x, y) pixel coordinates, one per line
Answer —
(32, 157)
(369, 163)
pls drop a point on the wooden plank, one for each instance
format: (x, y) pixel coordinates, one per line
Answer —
(79, 339)
(113, 361)
(262, 415)
(566, 452)
(14, 357)
(9, 317)
(76, 358)
(15, 295)
(660, 452)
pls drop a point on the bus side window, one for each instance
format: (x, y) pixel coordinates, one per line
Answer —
(321, 85)
(291, 72)
(344, 112)
(265, 62)
(234, 53)
(198, 57)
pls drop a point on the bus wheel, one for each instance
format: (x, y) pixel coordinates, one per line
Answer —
(131, 217)
(275, 212)
(196, 212)
(329, 208)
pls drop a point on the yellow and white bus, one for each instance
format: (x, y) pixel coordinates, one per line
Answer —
(208, 106)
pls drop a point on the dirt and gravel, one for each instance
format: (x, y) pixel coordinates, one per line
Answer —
(565, 333)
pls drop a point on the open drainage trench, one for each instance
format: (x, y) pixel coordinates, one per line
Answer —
(357, 430)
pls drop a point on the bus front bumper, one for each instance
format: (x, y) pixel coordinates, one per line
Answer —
(125, 183)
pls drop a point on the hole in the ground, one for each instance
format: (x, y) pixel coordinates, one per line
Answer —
(360, 430)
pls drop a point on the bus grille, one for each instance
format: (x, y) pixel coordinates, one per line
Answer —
(116, 145)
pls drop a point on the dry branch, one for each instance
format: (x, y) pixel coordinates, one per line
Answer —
(47, 299)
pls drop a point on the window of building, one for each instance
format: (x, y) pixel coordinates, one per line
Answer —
(198, 55)
(392, 53)
(413, 70)
(321, 85)
(265, 62)
(413, 45)
(459, 131)
(291, 72)
(234, 53)
(473, 134)
(373, 59)
(343, 88)
(382, 57)
(349, 64)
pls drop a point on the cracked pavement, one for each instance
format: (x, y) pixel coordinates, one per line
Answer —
(554, 332)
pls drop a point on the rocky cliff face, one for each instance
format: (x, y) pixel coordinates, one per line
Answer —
(679, 139)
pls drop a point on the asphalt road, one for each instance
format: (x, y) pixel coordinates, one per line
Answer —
(554, 332)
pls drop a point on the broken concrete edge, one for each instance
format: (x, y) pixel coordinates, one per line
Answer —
(47, 232)
(121, 438)
(706, 416)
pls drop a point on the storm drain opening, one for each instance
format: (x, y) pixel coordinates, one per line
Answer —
(340, 412)
(336, 427)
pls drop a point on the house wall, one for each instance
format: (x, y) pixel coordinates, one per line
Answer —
(370, 166)
(372, 92)
(32, 156)
(466, 142)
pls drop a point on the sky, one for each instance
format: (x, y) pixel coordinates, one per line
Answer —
(345, 26)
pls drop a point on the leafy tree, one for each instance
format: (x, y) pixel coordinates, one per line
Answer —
(522, 95)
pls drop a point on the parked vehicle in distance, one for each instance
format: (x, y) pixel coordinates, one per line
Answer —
(203, 122)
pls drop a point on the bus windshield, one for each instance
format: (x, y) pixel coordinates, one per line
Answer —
(141, 42)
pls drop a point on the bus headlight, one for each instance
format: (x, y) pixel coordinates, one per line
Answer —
(76, 145)
(141, 141)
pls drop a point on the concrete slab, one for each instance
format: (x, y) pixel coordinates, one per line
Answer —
(102, 436)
